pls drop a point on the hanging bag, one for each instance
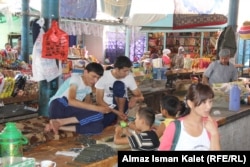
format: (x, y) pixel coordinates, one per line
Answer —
(42, 68)
(55, 43)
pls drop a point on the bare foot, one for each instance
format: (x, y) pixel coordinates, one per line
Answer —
(48, 127)
(54, 125)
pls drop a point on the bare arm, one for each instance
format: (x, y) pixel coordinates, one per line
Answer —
(88, 99)
(118, 138)
(99, 97)
(85, 105)
(160, 129)
(136, 97)
(205, 80)
(212, 128)
(215, 142)
(101, 102)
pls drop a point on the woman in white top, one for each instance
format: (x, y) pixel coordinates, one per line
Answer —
(198, 131)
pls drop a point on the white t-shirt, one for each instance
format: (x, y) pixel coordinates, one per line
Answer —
(106, 83)
(188, 142)
(82, 89)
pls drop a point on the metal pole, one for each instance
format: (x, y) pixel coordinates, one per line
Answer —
(127, 46)
(25, 31)
(50, 12)
(233, 13)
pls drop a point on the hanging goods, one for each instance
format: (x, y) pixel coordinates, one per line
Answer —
(55, 43)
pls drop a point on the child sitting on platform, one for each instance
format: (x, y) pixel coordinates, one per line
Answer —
(171, 108)
(144, 140)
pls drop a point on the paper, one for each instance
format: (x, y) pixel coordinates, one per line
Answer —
(73, 152)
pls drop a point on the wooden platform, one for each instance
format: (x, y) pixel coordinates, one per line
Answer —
(47, 151)
(15, 112)
(13, 108)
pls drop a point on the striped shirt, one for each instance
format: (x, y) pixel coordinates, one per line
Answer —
(144, 141)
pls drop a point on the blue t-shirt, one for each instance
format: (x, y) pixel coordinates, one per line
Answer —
(82, 89)
(218, 73)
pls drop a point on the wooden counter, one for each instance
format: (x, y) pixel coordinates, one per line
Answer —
(233, 128)
(226, 117)
(152, 97)
(173, 75)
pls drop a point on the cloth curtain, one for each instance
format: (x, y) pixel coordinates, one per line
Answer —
(116, 8)
(78, 28)
(78, 8)
(115, 45)
(72, 40)
(137, 44)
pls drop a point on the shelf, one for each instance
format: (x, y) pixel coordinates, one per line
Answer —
(187, 37)
(15, 112)
(155, 43)
(194, 43)
(183, 45)
(20, 99)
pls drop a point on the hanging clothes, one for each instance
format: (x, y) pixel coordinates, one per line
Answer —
(227, 39)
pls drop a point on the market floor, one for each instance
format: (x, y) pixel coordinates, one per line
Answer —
(47, 151)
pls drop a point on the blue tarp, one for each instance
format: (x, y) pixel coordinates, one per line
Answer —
(78, 8)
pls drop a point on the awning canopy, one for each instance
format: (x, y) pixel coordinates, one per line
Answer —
(157, 13)
(170, 29)
(171, 15)
(143, 13)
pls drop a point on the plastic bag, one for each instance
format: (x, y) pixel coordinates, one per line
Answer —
(55, 43)
(43, 68)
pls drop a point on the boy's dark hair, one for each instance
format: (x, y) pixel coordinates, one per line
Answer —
(95, 67)
(147, 114)
(171, 104)
(122, 61)
(109, 67)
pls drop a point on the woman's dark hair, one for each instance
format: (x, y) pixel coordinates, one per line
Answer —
(171, 104)
(122, 61)
(198, 93)
(148, 114)
(95, 67)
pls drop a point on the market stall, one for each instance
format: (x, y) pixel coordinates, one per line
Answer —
(193, 26)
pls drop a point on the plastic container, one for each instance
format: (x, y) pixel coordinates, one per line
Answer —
(234, 98)
(159, 73)
(11, 141)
